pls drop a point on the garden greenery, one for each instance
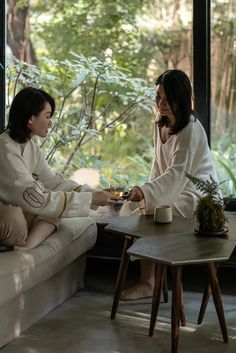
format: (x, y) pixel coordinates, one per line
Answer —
(94, 97)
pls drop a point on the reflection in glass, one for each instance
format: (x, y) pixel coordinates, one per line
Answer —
(223, 89)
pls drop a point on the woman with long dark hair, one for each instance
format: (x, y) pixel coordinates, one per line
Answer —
(180, 146)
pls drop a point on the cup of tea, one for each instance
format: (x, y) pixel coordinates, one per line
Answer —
(163, 214)
(117, 190)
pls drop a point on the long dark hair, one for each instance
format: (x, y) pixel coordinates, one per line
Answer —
(178, 92)
(27, 102)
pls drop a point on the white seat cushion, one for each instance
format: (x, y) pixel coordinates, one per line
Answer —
(20, 271)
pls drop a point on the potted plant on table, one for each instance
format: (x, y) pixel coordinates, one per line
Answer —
(209, 212)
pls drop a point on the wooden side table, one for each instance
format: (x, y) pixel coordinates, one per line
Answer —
(171, 244)
(135, 227)
(180, 251)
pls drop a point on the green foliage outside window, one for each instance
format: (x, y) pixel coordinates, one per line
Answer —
(144, 37)
(95, 98)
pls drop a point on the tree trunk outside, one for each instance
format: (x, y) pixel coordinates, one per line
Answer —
(18, 32)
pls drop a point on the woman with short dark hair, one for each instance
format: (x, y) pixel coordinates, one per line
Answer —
(29, 102)
(33, 197)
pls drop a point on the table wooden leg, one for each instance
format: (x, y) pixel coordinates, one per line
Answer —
(216, 294)
(205, 299)
(175, 309)
(121, 275)
(182, 313)
(165, 298)
(165, 288)
(160, 274)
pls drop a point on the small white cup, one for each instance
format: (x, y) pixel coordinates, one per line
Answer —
(163, 214)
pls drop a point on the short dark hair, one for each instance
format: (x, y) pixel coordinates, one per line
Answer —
(178, 92)
(27, 102)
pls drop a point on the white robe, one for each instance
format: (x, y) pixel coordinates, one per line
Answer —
(186, 151)
(26, 180)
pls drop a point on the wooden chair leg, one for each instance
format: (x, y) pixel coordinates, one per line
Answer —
(121, 275)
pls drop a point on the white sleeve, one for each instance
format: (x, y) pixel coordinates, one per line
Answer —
(18, 187)
(165, 189)
(155, 171)
(55, 181)
(50, 179)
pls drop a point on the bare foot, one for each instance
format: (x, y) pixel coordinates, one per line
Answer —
(20, 248)
(40, 231)
(23, 247)
(138, 291)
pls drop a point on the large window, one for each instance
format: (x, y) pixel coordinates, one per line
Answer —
(145, 37)
(223, 89)
(2, 63)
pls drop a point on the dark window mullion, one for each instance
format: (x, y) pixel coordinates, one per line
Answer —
(202, 62)
(2, 62)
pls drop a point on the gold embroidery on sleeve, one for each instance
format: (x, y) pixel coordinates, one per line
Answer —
(78, 188)
(33, 198)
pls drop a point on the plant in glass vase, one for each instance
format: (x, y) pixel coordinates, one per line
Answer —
(209, 212)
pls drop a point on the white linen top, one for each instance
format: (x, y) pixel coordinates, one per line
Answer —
(26, 180)
(186, 151)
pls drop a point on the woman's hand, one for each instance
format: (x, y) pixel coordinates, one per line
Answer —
(104, 197)
(136, 194)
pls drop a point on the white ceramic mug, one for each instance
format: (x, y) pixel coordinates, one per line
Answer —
(163, 214)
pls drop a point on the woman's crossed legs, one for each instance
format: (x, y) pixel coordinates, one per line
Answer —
(18, 233)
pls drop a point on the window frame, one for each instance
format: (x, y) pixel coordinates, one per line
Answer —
(202, 68)
(2, 63)
(202, 62)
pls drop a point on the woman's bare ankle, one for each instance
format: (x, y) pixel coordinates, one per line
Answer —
(139, 291)
(22, 248)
